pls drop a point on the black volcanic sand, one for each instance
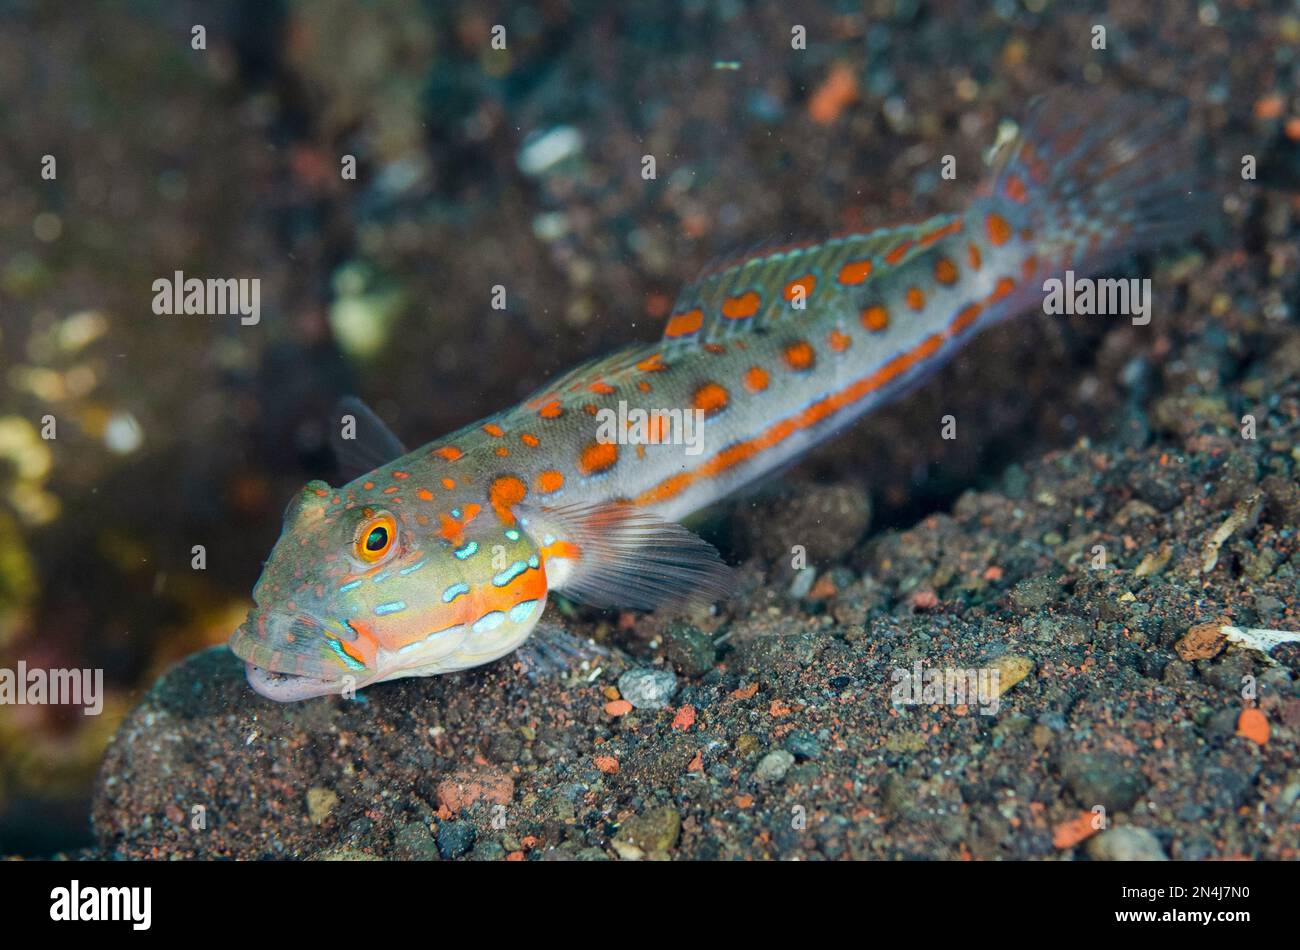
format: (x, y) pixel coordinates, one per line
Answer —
(790, 716)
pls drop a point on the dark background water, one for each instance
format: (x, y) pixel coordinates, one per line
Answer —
(475, 167)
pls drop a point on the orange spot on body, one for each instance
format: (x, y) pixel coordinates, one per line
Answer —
(449, 452)
(965, 317)
(502, 451)
(551, 410)
(717, 349)
(939, 233)
(684, 324)
(915, 298)
(367, 485)
(803, 286)
(1028, 268)
(453, 528)
(1003, 288)
(945, 271)
(530, 440)
(1014, 189)
(742, 307)
(424, 494)
(839, 341)
(652, 364)
(549, 481)
(897, 254)
(597, 457)
(875, 318)
(855, 272)
(973, 255)
(998, 229)
(799, 356)
(493, 429)
(756, 379)
(711, 398)
(504, 493)
(600, 387)
(740, 452)
(449, 483)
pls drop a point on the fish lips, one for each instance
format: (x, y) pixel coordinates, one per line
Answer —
(291, 687)
(282, 663)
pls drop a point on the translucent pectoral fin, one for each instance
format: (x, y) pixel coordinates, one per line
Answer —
(553, 651)
(626, 557)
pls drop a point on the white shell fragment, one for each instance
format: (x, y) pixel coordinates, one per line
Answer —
(1258, 639)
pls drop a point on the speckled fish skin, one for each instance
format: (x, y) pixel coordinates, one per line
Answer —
(490, 519)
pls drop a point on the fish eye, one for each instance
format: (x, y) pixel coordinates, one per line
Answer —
(374, 538)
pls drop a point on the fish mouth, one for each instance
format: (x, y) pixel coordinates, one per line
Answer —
(292, 687)
(286, 659)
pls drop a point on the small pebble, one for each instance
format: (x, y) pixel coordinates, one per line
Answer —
(773, 766)
(320, 802)
(648, 688)
(1126, 843)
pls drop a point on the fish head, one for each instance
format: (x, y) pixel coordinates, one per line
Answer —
(357, 591)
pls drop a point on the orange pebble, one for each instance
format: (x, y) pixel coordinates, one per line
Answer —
(1069, 833)
(685, 718)
(1253, 725)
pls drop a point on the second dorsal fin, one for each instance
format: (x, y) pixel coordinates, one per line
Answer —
(749, 295)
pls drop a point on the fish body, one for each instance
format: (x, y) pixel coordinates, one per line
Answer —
(442, 558)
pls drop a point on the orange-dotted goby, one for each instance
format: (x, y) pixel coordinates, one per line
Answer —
(442, 558)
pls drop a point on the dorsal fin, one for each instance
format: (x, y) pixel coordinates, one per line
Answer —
(584, 374)
(371, 445)
(749, 295)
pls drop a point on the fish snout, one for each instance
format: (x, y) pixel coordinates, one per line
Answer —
(295, 656)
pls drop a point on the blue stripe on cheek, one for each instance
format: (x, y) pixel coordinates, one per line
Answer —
(413, 568)
(392, 607)
(349, 586)
(522, 610)
(467, 551)
(509, 574)
(348, 661)
(489, 621)
(454, 591)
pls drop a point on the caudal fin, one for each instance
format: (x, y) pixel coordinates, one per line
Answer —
(1094, 176)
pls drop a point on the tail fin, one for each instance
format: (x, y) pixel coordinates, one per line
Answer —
(1094, 176)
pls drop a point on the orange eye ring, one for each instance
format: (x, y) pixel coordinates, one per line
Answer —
(375, 537)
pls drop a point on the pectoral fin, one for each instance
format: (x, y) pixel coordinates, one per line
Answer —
(624, 557)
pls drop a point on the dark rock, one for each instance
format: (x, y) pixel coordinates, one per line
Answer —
(455, 838)
(1102, 778)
